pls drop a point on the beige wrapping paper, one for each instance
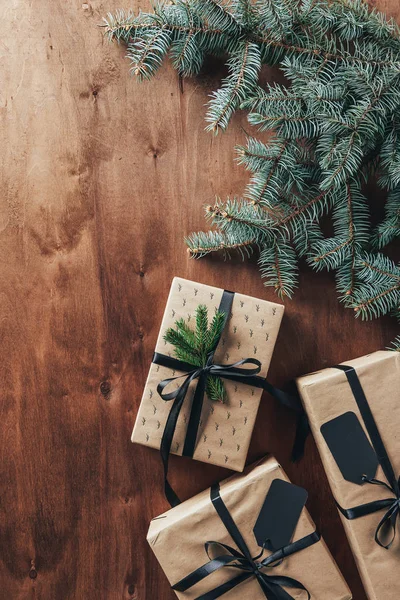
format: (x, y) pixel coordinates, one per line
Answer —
(225, 429)
(326, 395)
(178, 536)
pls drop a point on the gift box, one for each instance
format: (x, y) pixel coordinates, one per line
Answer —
(223, 430)
(182, 537)
(354, 414)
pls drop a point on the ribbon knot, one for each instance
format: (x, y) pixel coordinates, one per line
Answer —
(209, 363)
(388, 523)
(241, 559)
(231, 371)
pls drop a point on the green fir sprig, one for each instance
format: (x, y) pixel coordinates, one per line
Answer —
(334, 126)
(396, 345)
(194, 346)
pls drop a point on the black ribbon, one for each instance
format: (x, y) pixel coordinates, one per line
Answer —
(392, 505)
(241, 559)
(248, 376)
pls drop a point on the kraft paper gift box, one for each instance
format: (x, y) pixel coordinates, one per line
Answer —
(178, 539)
(328, 395)
(225, 428)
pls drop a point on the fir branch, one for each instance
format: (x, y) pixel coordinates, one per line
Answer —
(312, 209)
(185, 331)
(202, 243)
(389, 229)
(335, 126)
(351, 224)
(379, 270)
(147, 52)
(262, 181)
(256, 155)
(343, 56)
(177, 339)
(244, 68)
(240, 218)
(201, 332)
(194, 347)
(123, 26)
(279, 266)
(215, 389)
(218, 13)
(215, 330)
(378, 286)
(377, 304)
(346, 277)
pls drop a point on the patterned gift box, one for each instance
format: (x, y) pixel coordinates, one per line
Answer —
(328, 394)
(178, 539)
(225, 428)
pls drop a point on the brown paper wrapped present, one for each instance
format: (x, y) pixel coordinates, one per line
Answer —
(225, 429)
(178, 539)
(328, 394)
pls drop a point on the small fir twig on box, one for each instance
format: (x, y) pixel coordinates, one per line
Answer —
(194, 347)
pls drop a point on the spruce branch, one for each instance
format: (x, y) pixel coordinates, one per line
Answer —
(194, 346)
(335, 126)
(389, 229)
(278, 265)
(244, 68)
(202, 243)
(351, 226)
(378, 288)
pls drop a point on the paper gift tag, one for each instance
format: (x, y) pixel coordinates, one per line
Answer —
(350, 448)
(279, 515)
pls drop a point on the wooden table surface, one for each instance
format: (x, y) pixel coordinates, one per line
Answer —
(100, 178)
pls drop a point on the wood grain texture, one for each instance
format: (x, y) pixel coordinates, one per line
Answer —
(100, 178)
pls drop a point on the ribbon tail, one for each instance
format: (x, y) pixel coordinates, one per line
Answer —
(202, 572)
(165, 448)
(292, 401)
(276, 582)
(178, 396)
(195, 417)
(389, 521)
(225, 587)
(302, 433)
(272, 591)
(364, 509)
(292, 548)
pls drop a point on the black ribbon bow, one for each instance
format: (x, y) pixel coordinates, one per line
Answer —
(388, 522)
(241, 559)
(248, 376)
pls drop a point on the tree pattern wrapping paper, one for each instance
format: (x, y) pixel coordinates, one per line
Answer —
(177, 539)
(225, 428)
(326, 395)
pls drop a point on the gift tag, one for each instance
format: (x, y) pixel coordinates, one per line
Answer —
(350, 448)
(279, 515)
